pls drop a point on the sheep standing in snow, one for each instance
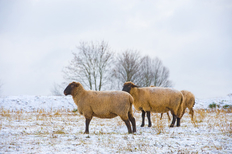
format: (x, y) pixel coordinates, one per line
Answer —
(102, 104)
(189, 102)
(161, 113)
(156, 99)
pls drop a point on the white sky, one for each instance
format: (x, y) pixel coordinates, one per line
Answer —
(193, 38)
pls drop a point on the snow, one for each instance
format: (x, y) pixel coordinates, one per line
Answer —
(204, 103)
(46, 124)
(31, 103)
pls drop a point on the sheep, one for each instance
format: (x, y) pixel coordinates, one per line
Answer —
(189, 102)
(102, 104)
(161, 113)
(156, 99)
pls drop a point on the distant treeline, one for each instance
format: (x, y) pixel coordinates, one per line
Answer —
(98, 67)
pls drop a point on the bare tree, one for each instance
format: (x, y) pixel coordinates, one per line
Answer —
(90, 65)
(143, 71)
(127, 67)
(160, 74)
(147, 72)
(93, 62)
(154, 73)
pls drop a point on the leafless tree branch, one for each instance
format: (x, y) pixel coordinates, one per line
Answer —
(91, 65)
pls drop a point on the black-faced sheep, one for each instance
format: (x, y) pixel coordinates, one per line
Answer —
(156, 99)
(102, 104)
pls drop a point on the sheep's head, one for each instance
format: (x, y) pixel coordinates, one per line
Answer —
(69, 89)
(127, 86)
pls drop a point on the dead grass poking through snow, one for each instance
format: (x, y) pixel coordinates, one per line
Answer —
(62, 130)
(199, 116)
(158, 124)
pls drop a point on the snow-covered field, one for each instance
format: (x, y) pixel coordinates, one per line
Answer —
(46, 124)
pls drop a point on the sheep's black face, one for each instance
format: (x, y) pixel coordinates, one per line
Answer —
(68, 90)
(127, 87)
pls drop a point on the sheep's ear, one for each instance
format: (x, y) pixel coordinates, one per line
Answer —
(77, 84)
(134, 86)
(73, 84)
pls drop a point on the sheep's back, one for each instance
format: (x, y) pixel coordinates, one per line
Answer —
(107, 104)
(157, 99)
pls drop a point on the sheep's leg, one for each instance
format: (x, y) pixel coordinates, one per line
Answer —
(143, 116)
(132, 119)
(178, 122)
(191, 112)
(87, 121)
(168, 116)
(161, 116)
(149, 118)
(173, 120)
(127, 122)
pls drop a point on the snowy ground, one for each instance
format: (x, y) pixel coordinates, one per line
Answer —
(42, 124)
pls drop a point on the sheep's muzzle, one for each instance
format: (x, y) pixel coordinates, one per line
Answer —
(126, 88)
(65, 93)
(68, 90)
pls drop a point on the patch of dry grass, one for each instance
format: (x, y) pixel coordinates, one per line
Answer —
(158, 124)
(59, 132)
(51, 127)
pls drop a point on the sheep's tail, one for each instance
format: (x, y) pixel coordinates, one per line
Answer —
(130, 114)
(131, 99)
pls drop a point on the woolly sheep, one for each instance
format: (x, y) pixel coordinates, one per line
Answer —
(162, 113)
(189, 102)
(156, 99)
(102, 104)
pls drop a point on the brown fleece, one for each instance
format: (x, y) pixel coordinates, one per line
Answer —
(101, 104)
(189, 102)
(156, 99)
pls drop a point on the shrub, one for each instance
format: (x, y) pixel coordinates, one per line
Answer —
(227, 106)
(213, 105)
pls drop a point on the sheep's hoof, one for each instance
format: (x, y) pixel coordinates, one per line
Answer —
(149, 125)
(142, 125)
(86, 132)
(171, 125)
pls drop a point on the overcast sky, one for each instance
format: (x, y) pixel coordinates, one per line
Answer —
(193, 38)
